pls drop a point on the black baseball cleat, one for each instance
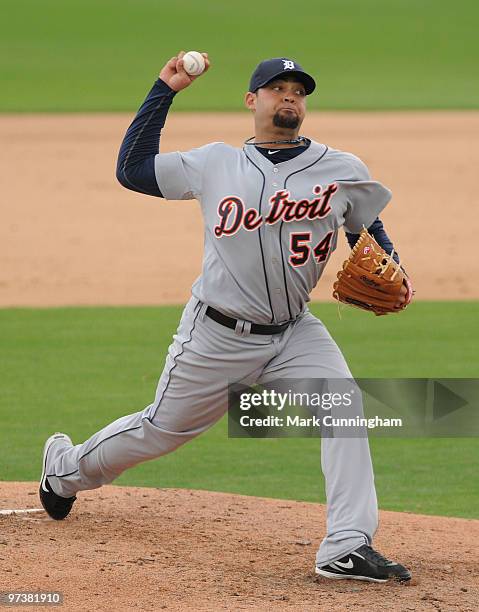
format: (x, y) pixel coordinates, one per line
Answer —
(57, 507)
(364, 563)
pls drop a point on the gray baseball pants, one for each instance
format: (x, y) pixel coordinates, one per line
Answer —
(192, 395)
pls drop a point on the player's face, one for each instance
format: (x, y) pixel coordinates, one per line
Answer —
(281, 102)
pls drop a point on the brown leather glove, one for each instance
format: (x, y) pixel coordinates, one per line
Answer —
(370, 279)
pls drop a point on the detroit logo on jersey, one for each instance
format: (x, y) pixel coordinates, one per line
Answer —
(233, 214)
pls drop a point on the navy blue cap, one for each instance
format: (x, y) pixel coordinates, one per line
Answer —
(277, 67)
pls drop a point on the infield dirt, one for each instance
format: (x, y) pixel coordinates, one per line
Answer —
(71, 235)
(153, 549)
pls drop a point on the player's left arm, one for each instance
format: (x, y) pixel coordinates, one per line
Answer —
(377, 231)
(365, 202)
(379, 234)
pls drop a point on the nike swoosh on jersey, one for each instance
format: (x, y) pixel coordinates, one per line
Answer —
(271, 152)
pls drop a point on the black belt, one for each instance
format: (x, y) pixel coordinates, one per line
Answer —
(256, 328)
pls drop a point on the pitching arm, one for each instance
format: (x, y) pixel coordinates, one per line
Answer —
(136, 160)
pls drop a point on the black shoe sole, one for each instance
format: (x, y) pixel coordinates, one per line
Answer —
(333, 576)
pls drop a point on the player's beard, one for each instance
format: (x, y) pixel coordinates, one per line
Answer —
(286, 120)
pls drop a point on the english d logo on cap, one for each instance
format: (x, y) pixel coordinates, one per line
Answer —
(277, 67)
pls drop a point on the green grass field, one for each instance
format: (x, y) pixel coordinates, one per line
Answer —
(88, 55)
(76, 369)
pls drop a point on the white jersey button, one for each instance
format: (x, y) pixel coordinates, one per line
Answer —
(275, 184)
(275, 170)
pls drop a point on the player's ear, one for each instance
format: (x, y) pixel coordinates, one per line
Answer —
(250, 100)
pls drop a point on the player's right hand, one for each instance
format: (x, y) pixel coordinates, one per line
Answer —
(175, 76)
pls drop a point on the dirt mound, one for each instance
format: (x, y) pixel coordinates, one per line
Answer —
(150, 549)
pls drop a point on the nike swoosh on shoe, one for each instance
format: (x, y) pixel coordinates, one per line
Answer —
(347, 565)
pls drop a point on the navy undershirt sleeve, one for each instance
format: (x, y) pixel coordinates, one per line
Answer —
(135, 168)
(378, 232)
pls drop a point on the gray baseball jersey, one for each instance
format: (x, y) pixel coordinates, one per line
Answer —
(269, 229)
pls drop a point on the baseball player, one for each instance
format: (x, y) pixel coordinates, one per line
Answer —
(272, 211)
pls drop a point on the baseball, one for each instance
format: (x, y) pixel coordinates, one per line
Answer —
(193, 63)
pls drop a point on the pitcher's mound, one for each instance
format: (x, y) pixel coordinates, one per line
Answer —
(151, 549)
